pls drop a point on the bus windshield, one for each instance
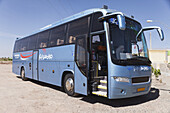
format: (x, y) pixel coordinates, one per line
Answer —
(125, 47)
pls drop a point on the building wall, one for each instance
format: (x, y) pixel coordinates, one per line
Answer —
(159, 56)
(159, 59)
(168, 59)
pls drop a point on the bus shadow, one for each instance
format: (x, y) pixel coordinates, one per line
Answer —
(46, 85)
(152, 95)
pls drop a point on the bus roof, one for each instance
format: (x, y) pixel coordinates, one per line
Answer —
(76, 16)
(73, 17)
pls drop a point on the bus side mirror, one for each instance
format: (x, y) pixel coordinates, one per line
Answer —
(159, 30)
(161, 34)
(121, 21)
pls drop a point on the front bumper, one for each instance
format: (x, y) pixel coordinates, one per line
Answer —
(125, 90)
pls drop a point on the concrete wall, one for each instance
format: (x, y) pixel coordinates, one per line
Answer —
(160, 60)
(168, 59)
(159, 56)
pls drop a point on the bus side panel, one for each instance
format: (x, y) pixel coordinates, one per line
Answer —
(22, 59)
(15, 67)
(53, 62)
(15, 64)
(80, 82)
(66, 66)
(26, 58)
(28, 68)
(49, 72)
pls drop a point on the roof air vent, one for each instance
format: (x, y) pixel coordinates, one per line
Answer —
(105, 7)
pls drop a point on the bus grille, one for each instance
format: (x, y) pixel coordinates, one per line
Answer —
(140, 79)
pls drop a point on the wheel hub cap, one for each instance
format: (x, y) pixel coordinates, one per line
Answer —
(69, 84)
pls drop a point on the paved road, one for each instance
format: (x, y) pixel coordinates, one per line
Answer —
(17, 96)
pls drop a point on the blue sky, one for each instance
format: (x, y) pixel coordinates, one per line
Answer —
(22, 17)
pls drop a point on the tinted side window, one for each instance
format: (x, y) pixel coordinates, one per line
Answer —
(76, 28)
(43, 39)
(58, 35)
(32, 42)
(24, 44)
(96, 25)
(17, 46)
(81, 53)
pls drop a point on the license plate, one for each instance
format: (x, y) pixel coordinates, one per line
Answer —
(140, 89)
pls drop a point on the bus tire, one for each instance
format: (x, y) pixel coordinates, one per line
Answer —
(23, 74)
(69, 85)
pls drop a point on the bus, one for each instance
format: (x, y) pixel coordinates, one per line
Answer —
(95, 52)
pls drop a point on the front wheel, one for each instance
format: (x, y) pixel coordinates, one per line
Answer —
(69, 85)
(23, 74)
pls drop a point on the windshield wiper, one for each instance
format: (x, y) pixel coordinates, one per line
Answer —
(138, 58)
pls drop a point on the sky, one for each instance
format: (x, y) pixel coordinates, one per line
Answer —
(20, 18)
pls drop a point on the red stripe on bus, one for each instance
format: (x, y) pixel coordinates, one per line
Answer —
(26, 56)
(44, 50)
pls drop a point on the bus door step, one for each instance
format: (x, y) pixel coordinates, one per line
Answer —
(100, 93)
(101, 88)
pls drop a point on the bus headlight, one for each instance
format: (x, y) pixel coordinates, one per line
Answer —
(121, 79)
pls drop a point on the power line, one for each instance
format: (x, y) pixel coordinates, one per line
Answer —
(63, 7)
(55, 9)
(70, 6)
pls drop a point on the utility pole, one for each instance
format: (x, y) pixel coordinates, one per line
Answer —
(150, 40)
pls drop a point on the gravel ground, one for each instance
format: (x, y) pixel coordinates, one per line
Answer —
(17, 96)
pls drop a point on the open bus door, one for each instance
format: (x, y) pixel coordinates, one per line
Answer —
(81, 65)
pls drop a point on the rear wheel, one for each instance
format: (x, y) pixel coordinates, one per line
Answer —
(23, 74)
(69, 85)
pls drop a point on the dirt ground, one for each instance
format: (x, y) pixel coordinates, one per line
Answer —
(17, 96)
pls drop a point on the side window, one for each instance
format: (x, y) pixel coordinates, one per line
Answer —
(43, 39)
(17, 46)
(32, 42)
(96, 25)
(99, 48)
(81, 53)
(58, 35)
(77, 28)
(24, 44)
